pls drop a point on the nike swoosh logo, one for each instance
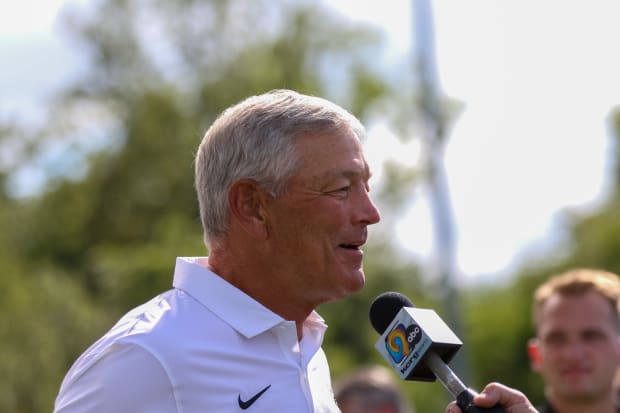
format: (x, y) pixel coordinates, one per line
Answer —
(245, 404)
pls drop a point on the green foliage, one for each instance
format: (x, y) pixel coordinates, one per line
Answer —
(497, 329)
(46, 320)
(597, 238)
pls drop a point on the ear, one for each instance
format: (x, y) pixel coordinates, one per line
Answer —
(533, 351)
(246, 204)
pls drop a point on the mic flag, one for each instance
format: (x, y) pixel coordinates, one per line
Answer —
(418, 345)
(407, 335)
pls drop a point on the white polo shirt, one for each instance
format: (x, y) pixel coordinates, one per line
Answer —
(202, 347)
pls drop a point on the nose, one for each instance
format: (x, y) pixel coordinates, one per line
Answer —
(369, 213)
(574, 350)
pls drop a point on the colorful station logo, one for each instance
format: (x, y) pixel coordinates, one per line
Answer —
(401, 340)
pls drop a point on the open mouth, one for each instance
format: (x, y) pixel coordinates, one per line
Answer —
(350, 246)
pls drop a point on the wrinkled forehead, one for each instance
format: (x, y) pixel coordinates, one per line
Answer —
(330, 155)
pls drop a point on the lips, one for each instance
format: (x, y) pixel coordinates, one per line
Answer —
(354, 244)
(574, 371)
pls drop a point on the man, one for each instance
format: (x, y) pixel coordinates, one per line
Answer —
(282, 184)
(577, 344)
(370, 389)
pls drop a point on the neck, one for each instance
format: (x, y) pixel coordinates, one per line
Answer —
(261, 285)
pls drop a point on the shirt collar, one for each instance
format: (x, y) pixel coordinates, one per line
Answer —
(239, 310)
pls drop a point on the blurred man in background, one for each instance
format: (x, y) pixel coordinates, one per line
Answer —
(577, 344)
(371, 389)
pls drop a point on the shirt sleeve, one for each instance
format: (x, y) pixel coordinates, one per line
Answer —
(127, 379)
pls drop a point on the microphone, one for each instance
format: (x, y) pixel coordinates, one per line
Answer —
(417, 344)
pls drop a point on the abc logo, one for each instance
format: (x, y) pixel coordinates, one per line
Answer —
(401, 341)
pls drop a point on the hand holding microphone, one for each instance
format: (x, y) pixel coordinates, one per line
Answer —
(497, 394)
(418, 345)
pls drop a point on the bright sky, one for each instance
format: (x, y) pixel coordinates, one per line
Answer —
(537, 80)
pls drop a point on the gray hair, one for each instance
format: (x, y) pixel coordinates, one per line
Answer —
(255, 139)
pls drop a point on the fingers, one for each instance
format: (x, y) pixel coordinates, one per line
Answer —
(512, 400)
(497, 394)
(453, 408)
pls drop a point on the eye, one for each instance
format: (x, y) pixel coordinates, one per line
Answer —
(554, 339)
(339, 192)
(592, 336)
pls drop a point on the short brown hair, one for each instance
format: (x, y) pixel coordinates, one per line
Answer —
(578, 282)
(373, 387)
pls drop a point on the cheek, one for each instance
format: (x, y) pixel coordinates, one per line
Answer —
(615, 352)
(315, 223)
(310, 227)
(298, 234)
(551, 358)
(289, 221)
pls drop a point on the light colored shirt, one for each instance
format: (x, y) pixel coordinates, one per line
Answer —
(202, 347)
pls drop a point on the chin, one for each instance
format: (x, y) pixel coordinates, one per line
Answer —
(345, 290)
(356, 284)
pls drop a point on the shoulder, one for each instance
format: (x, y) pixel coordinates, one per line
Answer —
(125, 377)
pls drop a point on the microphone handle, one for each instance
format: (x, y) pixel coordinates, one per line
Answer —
(454, 385)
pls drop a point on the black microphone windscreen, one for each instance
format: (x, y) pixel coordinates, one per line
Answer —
(385, 307)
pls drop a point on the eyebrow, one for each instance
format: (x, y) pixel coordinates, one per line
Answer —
(365, 172)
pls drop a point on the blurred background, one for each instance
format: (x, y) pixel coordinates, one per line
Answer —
(493, 132)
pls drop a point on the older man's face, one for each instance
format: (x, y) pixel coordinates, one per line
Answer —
(319, 225)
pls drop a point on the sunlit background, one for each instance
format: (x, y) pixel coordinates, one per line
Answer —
(537, 81)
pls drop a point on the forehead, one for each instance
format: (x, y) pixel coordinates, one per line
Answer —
(575, 312)
(331, 155)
